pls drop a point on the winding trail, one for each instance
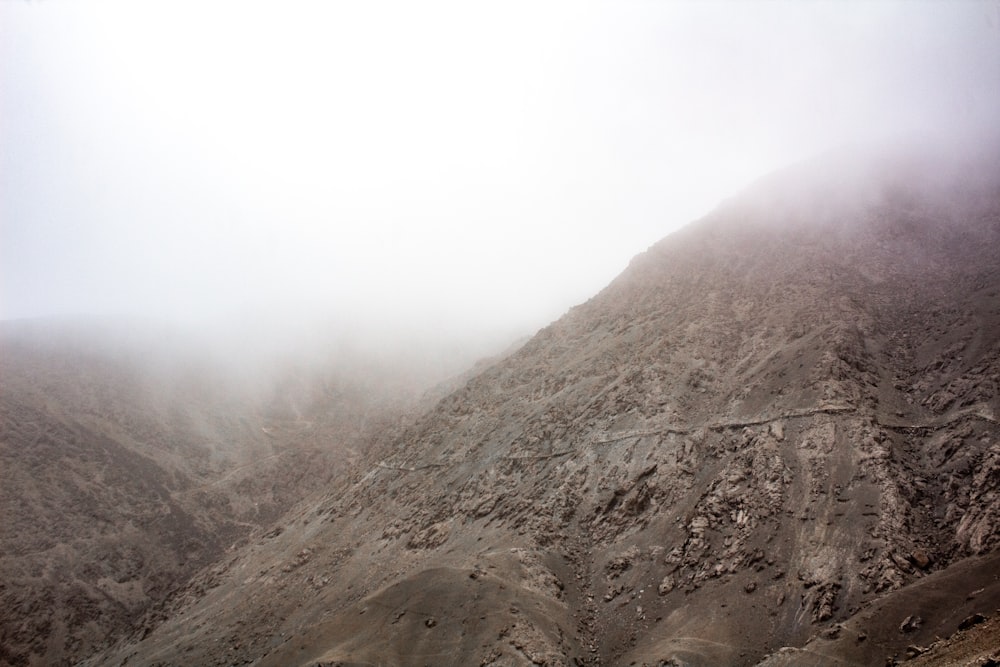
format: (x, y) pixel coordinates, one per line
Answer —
(974, 412)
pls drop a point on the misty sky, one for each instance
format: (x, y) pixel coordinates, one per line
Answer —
(471, 165)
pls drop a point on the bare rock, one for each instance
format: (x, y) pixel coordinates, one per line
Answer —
(777, 430)
(616, 566)
(920, 559)
(969, 621)
(902, 563)
(431, 537)
(666, 585)
(823, 601)
(910, 623)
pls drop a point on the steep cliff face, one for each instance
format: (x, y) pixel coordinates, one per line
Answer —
(773, 439)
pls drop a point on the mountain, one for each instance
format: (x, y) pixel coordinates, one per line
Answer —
(772, 440)
(130, 459)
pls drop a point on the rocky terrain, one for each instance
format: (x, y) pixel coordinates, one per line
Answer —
(127, 465)
(773, 440)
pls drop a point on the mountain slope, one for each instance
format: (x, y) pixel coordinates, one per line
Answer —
(774, 424)
(128, 463)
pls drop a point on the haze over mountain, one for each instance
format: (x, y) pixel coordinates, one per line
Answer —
(132, 456)
(773, 440)
(444, 166)
(316, 345)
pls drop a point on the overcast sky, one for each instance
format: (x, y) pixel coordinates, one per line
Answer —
(471, 166)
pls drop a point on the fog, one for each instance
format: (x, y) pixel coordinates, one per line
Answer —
(447, 172)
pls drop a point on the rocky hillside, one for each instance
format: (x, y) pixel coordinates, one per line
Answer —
(773, 440)
(129, 462)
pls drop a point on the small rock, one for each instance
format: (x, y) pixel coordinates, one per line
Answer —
(910, 623)
(912, 651)
(666, 585)
(970, 621)
(920, 559)
(902, 563)
(777, 430)
(618, 565)
(485, 506)
(751, 587)
(430, 622)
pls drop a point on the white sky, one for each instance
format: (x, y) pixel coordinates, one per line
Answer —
(471, 166)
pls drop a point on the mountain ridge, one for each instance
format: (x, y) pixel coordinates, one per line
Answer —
(761, 444)
(737, 446)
